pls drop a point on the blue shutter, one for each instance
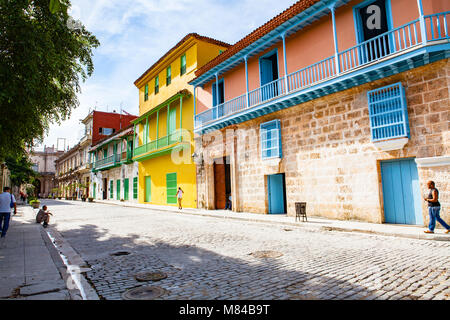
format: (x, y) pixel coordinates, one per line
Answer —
(270, 137)
(388, 112)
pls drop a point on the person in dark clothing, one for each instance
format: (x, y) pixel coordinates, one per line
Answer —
(434, 207)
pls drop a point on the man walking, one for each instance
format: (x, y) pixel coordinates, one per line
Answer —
(434, 207)
(7, 201)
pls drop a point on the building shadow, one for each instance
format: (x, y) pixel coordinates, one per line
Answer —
(195, 273)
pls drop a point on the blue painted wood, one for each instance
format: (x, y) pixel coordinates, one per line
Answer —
(401, 192)
(275, 190)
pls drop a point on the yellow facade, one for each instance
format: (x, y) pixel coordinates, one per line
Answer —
(158, 155)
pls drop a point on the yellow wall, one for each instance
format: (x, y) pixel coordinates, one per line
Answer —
(197, 54)
(157, 168)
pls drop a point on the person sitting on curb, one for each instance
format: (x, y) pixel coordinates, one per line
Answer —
(433, 208)
(43, 215)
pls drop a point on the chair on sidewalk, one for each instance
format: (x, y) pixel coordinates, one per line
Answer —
(300, 211)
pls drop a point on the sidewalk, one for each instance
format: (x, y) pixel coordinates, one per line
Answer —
(30, 266)
(313, 223)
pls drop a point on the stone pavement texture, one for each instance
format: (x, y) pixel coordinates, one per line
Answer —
(30, 269)
(209, 258)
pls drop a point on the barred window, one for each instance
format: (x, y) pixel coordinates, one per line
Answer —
(388, 112)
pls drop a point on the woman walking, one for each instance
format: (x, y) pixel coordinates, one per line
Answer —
(180, 198)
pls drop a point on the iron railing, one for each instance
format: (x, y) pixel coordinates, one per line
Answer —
(163, 142)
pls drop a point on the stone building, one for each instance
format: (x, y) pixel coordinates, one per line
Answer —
(320, 108)
(44, 164)
(5, 180)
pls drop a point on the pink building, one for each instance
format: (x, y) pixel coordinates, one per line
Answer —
(342, 104)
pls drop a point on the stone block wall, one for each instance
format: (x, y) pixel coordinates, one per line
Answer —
(328, 158)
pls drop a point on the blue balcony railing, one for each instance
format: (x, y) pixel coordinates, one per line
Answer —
(394, 41)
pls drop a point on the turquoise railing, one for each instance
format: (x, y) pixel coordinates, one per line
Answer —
(107, 162)
(163, 142)
(392, 42)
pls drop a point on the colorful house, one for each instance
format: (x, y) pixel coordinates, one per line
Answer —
(164, 130)
(114, 174)
(342, 104)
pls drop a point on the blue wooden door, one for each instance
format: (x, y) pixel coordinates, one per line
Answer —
(401, 192)
(266, 77)
(275, 186)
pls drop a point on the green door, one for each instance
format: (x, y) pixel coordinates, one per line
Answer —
(171, 183)
(126, 189)
(111, 189)
(118, 189)
(95, 188)
(135, 188)
(148, 189)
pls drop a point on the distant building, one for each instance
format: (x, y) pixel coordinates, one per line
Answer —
(74, 166)
(44, 165)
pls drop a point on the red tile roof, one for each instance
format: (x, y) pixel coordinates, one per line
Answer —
(195, 36)
(287, 14)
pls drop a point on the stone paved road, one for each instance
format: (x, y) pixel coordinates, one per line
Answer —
(210, 258)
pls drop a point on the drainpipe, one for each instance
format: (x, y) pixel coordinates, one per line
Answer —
(336, 49)
(283, 36)
(246, 81)
(423, 30)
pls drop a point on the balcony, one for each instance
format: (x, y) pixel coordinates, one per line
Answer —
(395, 51)
(162, 145)
(107, 163)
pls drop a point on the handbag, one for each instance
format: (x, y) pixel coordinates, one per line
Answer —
(11, 205)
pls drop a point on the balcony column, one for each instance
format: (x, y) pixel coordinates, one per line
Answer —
(181, 116)
(157, 128)
(423, 30)
(336, 48)
(246, 81)
(283, 36)
(195, 105)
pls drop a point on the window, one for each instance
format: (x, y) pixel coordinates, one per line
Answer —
(135, 188)
(388, 112)
(156, 84)
(271, 139)
(168, 76)
(171, 184)
(183, 64)
(146, 92)
(106, 131)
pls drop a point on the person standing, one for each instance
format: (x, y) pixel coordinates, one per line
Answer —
(434, 207)
(7, 201)
(180, 198)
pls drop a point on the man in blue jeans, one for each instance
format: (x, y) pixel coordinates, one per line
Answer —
(434, 207)
(6, 200)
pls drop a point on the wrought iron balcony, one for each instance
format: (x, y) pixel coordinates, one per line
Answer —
(308, 81)
(108, 162)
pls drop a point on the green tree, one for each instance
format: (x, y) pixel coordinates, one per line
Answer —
(21, 170)
(43, 58)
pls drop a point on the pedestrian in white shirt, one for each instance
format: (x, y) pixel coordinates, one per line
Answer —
(7, 201)
(180, 197)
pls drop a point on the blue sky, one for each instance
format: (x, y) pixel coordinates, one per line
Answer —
(136, 33)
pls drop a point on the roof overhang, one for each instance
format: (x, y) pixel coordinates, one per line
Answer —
(291, 26)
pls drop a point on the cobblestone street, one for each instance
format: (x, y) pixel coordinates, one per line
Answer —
(210, 258)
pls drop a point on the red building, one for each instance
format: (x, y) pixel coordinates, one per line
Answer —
(103, 124)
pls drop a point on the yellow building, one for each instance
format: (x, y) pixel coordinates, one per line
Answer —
(164, 138)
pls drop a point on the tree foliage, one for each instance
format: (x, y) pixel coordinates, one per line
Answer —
(42, 61)
(20, 169)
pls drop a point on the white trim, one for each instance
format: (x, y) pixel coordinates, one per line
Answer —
(433, 161)
(389, 145)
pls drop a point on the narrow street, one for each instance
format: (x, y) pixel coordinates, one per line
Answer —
(210, 258)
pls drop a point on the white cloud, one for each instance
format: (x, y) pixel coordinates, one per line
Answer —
(135, 33)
